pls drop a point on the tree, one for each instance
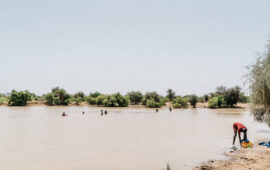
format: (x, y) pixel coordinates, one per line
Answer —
(259, 81)
(58, 97)
(243, 98)
(135, 97)
(206, 98)
(95, 94)
(221, 90)
(193, 99)
(150, 97)
(78, 98)
(151, 103)
(170, 94)
(180, 102)
(231, 96)
(19, 98)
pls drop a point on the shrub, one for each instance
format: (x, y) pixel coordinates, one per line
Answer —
(153, 99)
(3, 99)
(91, 100)
(19, 98)
(151, 95)
(99, 100)
(216, 102)
(135, 97)
(180, 102)
(213, 102)
(114, 100)
(58, 97)
(95, 94)
(193, 99)
(151, 103)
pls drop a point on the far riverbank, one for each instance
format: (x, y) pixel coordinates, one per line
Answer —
(199, 105)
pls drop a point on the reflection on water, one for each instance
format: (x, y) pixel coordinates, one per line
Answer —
(38, 137)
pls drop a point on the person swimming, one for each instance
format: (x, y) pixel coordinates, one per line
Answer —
(83, 113)
(105, 112)
(239, 128)
(64, 114)
(156, 109)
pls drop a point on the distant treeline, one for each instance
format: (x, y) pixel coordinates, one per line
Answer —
(222, 97)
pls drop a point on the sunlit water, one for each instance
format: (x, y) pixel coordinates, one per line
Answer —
(38, 137)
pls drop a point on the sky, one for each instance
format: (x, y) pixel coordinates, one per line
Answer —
(191, 46)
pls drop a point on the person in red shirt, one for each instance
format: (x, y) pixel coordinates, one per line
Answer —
(238, 128)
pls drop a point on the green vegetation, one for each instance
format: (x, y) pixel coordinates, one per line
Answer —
(3, 99)
(135, 97)
(216, 102)
(180, 102)
(115, 100)
(206, 98)
(170, 95)
(19, 98)
(193, 99)
(259, 80)
(58, 97)
(224, 97)
(153, 100)
(78, 98)
(168, 167)
(92, 98)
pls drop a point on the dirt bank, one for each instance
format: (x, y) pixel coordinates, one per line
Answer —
(257, 158)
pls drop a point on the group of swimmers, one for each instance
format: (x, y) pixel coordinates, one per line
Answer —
(105, 112)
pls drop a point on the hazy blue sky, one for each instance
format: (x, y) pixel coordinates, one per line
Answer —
(122, 45)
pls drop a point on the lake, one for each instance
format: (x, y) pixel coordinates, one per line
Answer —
(38, 137)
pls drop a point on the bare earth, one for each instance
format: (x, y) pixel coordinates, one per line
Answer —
(257, 158)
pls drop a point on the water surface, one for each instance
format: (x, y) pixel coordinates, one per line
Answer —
(37, 137)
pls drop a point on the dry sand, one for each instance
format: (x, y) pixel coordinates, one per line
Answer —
(257, 158)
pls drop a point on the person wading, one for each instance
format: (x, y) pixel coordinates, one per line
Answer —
(239, 128)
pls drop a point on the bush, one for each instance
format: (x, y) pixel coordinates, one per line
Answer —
(91, 100)
(180, 102)
(151, 103)
(99, 99)
(58, 97)
(243, 98)
(193, 99)
(153, 99)
(19, 98)
(3, 99)
(78, 98)
(151, 95)
(213, 102)
(95, 94)
(135, 97)
(216, 102)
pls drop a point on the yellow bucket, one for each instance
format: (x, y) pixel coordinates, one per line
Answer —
(247, 144)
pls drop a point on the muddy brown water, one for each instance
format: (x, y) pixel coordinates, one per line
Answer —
(38, 137)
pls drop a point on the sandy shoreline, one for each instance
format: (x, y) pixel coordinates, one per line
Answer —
(256, 158)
